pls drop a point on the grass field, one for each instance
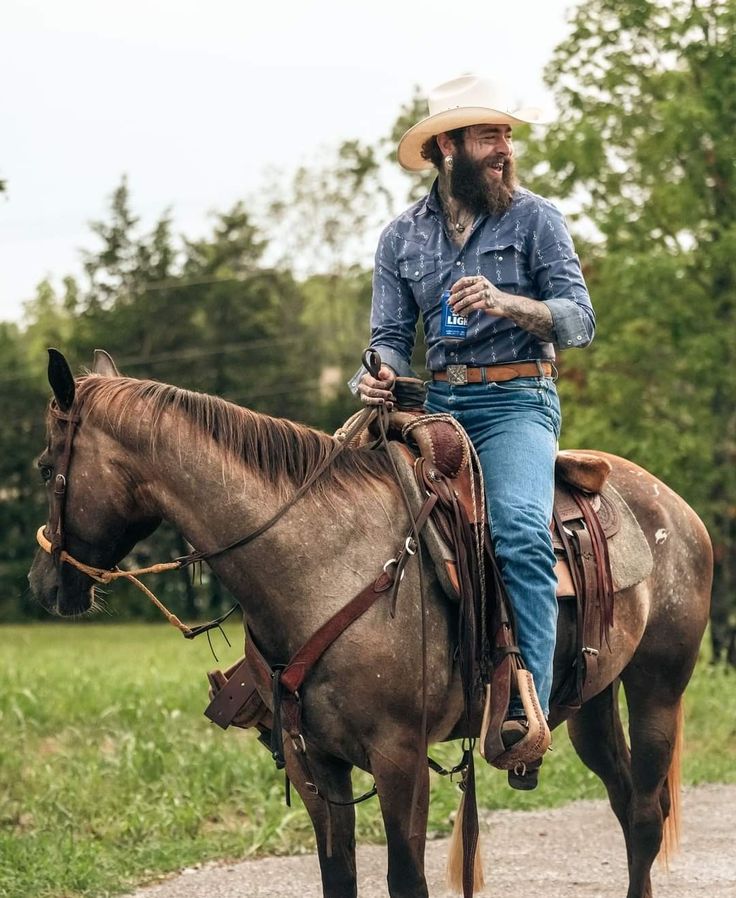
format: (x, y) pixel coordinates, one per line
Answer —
(110, 775)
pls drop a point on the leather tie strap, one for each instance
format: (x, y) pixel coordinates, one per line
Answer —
(307, 656)
(56, 519)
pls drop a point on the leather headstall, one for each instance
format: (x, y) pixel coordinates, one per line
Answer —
(71, 421)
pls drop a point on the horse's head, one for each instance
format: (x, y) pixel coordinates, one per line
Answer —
(95, 512)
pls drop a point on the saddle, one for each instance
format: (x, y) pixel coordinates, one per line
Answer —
(598, 543)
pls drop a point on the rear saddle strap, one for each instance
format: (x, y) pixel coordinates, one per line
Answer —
(585, 543)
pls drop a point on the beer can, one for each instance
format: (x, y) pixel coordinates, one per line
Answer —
(453, 327)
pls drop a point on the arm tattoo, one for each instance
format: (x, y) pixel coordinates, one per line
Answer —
(530, 315)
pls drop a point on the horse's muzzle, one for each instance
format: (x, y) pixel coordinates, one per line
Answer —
(64, 591)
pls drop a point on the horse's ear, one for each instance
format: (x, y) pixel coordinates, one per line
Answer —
(61, 380)
(104, 365)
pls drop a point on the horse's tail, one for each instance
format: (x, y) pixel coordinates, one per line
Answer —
(671, 832)
(455, 856)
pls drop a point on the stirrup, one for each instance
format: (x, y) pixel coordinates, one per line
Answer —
(535, 743)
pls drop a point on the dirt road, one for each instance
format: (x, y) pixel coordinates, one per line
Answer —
(572, 852)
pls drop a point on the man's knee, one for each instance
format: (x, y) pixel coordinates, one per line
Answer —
(525, 543)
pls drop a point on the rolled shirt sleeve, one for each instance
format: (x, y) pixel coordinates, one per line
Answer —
(555, 268)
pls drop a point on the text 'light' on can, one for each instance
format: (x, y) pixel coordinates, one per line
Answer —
(453, 327)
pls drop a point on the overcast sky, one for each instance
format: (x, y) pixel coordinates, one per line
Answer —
(194, 100)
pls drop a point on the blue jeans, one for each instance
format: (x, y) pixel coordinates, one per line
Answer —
(514, 427)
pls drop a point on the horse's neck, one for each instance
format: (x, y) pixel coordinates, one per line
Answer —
(211, 499)
(314, 559)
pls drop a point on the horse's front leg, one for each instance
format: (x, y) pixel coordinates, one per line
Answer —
(396, 767)
(334, 825)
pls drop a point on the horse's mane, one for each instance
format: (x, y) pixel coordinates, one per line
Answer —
(284, 452)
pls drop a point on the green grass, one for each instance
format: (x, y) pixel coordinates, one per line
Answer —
(109, 773)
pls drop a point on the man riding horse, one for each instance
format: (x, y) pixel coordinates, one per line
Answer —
(507, 259)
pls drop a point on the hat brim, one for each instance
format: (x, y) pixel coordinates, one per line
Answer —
(410, 146)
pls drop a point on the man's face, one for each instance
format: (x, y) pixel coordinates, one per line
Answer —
(490, 146)
(483, 174)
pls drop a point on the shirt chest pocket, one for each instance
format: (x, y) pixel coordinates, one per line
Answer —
(423, 274)
(505, 265)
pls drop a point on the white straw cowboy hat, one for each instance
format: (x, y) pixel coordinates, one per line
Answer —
(467, 100)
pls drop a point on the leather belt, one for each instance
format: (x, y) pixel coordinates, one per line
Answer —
(462, 374)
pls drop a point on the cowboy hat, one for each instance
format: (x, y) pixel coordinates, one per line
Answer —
(467, 100)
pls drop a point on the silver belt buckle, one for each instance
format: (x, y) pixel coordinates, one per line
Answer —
(457, 374)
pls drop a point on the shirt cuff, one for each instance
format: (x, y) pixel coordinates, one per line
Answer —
(388, 357)
(571, 326)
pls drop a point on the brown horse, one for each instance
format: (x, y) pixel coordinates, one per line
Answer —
(144, 451)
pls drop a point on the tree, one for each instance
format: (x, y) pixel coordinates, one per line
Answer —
(645, 144)
(21, 497)
(206, 315)
(410, 113)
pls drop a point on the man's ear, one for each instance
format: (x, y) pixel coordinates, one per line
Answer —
(104, 365)
(445, 143)
(61, 380)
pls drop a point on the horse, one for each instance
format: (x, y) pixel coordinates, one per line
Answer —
(144, 452)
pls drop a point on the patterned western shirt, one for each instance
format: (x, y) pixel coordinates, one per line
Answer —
(526, 251)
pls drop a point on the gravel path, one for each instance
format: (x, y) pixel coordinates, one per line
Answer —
(572, 852)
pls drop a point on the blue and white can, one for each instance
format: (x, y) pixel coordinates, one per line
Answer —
(453, 327)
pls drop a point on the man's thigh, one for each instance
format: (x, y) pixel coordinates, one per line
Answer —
(515, 435)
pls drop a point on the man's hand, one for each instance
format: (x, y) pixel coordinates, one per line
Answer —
(377, 391)
(473, 293)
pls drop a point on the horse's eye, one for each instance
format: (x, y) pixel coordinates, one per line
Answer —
(46, 472)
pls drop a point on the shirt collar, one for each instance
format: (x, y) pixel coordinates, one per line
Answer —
(432, 201)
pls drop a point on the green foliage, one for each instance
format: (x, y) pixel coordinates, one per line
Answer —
(207, 315)
(321, 217)
(109, 773)
(645, 144)
(21, 439)
(411, 112)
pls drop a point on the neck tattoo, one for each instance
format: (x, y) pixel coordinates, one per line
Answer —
(459, 222)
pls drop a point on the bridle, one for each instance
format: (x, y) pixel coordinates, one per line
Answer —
(56, 545)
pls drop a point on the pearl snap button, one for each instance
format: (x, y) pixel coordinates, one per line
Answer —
(578, 337)
(416, 274)
(458, 263)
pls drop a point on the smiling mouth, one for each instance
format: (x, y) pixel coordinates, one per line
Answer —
(496, 166)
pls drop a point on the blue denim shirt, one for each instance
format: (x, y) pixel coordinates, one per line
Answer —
(527, 251)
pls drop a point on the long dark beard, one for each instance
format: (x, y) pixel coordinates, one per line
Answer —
(471, 186)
